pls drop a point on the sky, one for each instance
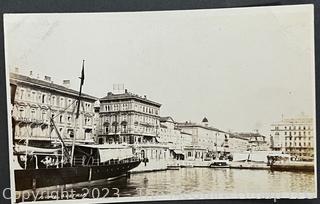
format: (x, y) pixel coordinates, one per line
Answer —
(242, 68)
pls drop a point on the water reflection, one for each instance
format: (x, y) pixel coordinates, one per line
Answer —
(206, 180)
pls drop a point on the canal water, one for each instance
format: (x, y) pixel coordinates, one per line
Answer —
(188, 181)
(209, 180)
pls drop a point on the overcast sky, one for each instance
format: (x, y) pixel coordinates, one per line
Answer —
(241, 68)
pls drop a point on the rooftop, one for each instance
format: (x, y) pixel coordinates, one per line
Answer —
(248, 134)
(165, 119)
(191, 124)
(128, 96)
(14, 77)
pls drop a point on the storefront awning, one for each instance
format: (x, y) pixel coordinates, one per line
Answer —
(178, 151)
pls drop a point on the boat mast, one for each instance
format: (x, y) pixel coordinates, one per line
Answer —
(78, 110)
(60, 138)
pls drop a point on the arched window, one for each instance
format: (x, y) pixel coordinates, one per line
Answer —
(33, 114)
(21, 112)
(53, 102)
(124, 126)
(115, 126)
(43, 115)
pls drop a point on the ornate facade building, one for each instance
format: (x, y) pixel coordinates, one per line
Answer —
(128, 118)
(37, 101)
(134, 120)
(294, 136)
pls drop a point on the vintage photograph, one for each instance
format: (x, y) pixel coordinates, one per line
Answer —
(158, 105)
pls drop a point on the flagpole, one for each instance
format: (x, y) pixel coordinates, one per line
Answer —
(77, 113)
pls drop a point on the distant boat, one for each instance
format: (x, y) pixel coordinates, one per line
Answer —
(220, 164)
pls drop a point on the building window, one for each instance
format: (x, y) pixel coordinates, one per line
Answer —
(21, 112)
(43, 98)
(53, 102)
(62, 102)
(60, 119)
(33, 113)
(33, 96)
(43, 115)
(21, 94)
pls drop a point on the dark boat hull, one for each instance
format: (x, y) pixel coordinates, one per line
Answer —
(297, 168)
(38, 178)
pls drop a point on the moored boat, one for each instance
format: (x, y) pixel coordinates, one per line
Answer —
(91, 162)
(284, 162)
(220, 164)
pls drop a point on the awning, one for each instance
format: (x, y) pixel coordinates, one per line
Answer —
(159, 139)
(178, 151)
(121, 153)
(31, 150)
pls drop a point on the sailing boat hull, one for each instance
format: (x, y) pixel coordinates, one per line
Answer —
(38, 178)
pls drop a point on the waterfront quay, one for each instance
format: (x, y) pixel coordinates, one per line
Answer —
(160, 143)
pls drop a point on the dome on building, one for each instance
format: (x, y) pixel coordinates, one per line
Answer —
(205, 120)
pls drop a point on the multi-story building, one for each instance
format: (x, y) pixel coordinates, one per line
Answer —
(206, 140)
(168, 133)
(37, 101)
(294, 136)
(172, 136)
(238, 143)
(128, 118)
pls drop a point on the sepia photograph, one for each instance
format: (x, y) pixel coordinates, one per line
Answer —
(161, 105)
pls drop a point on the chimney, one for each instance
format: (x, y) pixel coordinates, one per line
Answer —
(66, 83)
(126, 91)
(145, 96)
(47, 78)
(16, 70)
(30, 74)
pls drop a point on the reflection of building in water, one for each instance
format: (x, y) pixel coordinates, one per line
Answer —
(294, 136)
(36, 101)
(206, 140)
